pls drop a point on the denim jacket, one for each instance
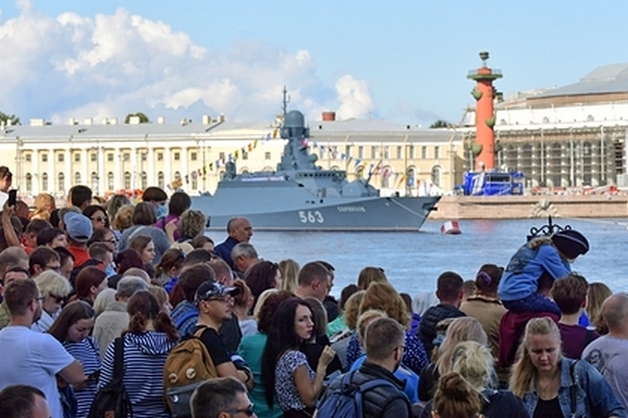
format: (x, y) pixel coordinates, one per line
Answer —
(594, 397)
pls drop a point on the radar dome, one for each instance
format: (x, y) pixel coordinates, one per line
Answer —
(294, 118)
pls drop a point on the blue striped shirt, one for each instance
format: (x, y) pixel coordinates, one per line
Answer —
(87, 353)
(144, 358)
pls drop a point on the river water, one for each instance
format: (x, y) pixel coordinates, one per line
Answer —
(414, 260)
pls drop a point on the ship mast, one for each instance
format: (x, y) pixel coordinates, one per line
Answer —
(286, 100)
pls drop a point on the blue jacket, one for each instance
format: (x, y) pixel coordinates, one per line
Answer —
(594, 396)
(524, 269)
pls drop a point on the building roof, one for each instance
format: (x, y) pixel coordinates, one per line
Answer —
(611, 78)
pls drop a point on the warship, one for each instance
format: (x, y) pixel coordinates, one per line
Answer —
(300, 196)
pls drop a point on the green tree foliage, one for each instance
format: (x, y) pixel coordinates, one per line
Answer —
(440, 124)
(142, 116)
(5, 117)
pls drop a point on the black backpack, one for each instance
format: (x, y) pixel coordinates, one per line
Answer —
(112, 401)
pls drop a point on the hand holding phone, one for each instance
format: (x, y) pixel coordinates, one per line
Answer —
(12, 200)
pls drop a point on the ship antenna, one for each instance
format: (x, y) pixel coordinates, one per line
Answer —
(286, 100)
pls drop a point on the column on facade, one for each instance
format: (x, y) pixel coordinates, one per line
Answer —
(168, 166)
(52, 175)
(100, 167)
(87, 180)
(69, 175)
(35, 174)
(150, 156)
(117, 156)
(184, 167)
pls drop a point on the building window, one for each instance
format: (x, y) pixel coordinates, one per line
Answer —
(127, 180)
(110, 185)
(77, 157)
(44, 182)
(160, 179)
(360, 152)
(160, 156)
(144, 180)
(109, 156)
(373, 152)
(410, 176)
(267, 155)
(77, 178)
(126, 156)
(437, 152)
(44, 158)
(436, 176)
(193, 156)
(399, 153)
(424, 153)
(27, 158)
(245, 155)
(177, 156)
(29, 182)
(194, 183)
(348, 151)
(60, 157)
(93, 157)
(411, 152)
(386, 151)
(221, 155)
(143, 156)
(61, 181)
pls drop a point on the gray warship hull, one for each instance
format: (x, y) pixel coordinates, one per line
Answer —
(301, 196)
(277, 209)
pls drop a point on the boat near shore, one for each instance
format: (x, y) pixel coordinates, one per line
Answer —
(301, 196)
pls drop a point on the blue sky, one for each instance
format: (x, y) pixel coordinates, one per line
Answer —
(404, 61)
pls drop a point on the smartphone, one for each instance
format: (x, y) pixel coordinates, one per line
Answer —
(12, 197)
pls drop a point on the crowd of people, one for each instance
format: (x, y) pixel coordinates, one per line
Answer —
(99, 290)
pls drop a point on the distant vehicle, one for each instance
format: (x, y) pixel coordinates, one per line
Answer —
(493, 183)
(301, 196)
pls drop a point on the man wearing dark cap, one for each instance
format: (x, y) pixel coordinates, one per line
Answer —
(539, 257)
(215, 301)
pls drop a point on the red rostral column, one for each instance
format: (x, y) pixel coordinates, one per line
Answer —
(484, 92)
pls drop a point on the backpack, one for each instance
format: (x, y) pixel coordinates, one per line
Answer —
(345, 399)
(187, 366)
(111, 400)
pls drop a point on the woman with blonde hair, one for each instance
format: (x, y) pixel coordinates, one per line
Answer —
(554, 386)
(475, 364)
(461, 329)
(455, 398)
(123, 219)
(289, 273)
(370, 275)
(44, 205)
(383, 296)
(54, 289)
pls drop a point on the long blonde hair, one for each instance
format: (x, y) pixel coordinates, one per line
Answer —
(524, 370)
(461, 329)
(289, 274)
(596, 295)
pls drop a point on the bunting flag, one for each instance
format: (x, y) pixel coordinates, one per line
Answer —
(401, 180)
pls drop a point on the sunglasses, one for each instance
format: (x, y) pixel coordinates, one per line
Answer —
(58, 299)
(99, 219)
(248, 411)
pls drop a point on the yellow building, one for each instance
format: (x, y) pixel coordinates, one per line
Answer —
(110, 156)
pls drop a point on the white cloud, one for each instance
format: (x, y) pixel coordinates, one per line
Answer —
(354, 97)
(113, 64)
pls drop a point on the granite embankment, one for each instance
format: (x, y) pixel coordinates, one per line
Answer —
(538, 206)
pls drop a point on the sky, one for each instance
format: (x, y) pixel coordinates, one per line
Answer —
(405, 61)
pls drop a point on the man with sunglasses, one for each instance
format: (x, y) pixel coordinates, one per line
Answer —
(215, 301)
(221, 398)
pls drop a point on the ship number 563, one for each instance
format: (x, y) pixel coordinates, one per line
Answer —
(311, 217)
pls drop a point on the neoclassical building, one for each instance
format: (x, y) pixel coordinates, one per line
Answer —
(110, 156)
(571, 136)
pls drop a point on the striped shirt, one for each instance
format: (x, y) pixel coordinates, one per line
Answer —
(144, 358)
(87, 353)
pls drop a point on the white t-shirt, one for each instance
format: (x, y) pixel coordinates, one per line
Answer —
(32, 358)
(609, 355)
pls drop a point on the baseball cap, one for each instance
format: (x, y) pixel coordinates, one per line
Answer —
(78, 226)
(214, 289)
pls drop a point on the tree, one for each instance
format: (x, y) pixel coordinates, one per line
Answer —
(5, 117)
(440, 124)
(142, 116)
